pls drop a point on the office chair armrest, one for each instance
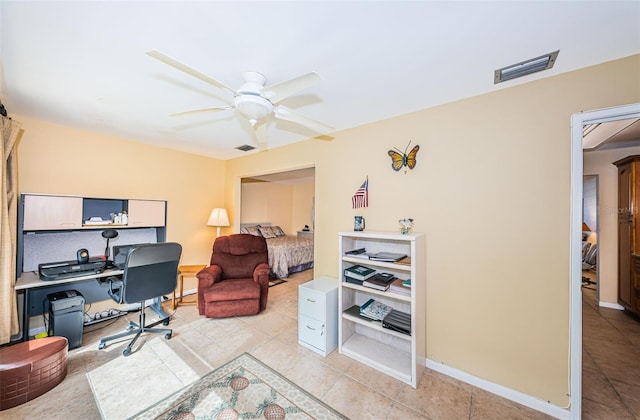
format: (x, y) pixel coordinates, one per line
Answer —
(115, 288)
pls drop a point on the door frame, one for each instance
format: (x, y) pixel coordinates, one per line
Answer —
(575, 307)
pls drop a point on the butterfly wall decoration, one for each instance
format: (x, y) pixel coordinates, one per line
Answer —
(399, 159)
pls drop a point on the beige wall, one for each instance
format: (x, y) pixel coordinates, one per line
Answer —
(600, 164)
(284, 205)
(267, 202)
(491, 191)
(303, 195)
(54, 159)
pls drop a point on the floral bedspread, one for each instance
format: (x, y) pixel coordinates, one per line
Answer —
(288, 251)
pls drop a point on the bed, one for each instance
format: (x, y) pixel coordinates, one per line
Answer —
(287, 254)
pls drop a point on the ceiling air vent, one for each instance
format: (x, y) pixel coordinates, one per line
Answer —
(524, 68)
(245, 147)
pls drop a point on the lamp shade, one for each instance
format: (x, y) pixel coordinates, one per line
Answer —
(218, 217)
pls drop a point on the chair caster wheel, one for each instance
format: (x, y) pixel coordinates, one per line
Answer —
(126, 352)
(101, 346)
(167, 336)
(166, 322)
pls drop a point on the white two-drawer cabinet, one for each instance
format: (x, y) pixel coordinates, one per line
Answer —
(318, 315)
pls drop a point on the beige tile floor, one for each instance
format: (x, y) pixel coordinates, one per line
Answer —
(105, 384)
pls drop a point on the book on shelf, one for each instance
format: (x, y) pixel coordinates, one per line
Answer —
(404, 261)
(374, 309)
(353, 281)
(359, 272)
(386, 256)
(358, 251)
(381, 281)
(388, 277)
(396, 286)
(407, 283)
(374, 283)
(397, 321)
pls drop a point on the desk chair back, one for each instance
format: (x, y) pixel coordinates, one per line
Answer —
(150, 271)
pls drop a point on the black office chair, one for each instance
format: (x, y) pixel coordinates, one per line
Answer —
(150, 271)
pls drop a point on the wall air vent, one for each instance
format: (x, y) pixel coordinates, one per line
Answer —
(524, 68)
(245, 147)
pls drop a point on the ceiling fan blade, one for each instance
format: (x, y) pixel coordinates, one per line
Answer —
(261, 135)
(196, 111)
(183, 67)
(277, 92)
(287, 114)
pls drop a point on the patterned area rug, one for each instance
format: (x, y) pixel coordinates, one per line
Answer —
(244, 388)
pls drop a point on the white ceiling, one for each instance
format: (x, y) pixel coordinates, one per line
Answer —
(83, 63)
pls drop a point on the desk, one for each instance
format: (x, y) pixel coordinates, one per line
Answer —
(35, 292)
(190, 271)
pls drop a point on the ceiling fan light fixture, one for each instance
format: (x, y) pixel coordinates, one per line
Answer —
(524, 68)
(252, 107)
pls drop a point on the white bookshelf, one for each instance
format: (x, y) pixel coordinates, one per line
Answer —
(396, 354)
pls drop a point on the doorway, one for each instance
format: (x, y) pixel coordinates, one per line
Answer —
(590, 226)
(578, 123)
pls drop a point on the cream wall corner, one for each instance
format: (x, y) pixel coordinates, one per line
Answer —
(53, 159)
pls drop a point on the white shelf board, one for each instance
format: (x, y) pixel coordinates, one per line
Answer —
(387, 293)
(387, 359)
(374, 263)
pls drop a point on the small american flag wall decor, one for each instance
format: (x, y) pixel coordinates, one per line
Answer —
(361, 197)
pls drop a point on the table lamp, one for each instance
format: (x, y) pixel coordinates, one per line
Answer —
(217, 218)
(108, 234)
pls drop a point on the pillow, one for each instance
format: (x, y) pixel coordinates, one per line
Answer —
(244, 230)
(254, 230)
(267, 232)
(277, 230)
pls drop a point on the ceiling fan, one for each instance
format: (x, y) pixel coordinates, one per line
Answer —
(255, 101)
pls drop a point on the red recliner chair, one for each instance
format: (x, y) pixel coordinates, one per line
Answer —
(236, 283)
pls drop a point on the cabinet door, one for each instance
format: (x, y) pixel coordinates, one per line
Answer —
(48, 212)
(146, 213)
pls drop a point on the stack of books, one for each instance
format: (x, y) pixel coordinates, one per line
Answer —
(357, 274)
(375, 310)
(381, 281)
(397, 286)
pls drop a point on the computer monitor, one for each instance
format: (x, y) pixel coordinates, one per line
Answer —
(120, 254)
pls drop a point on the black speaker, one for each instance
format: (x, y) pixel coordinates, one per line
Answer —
(83, 256)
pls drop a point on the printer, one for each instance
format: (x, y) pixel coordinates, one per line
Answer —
(73, 268)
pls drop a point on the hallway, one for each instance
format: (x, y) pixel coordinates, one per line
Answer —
(610, 361)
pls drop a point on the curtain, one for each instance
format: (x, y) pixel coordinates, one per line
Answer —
(8, 227)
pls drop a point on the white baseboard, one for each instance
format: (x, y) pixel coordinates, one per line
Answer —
(611, 305)
(502, 391)
(188, 292)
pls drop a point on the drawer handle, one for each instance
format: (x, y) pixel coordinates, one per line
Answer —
(312, 329)
(311, 300)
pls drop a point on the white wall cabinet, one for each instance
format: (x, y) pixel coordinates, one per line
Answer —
(396, 354)
(52, 212)
(49, 212)
(318, 315)
(147, 213)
